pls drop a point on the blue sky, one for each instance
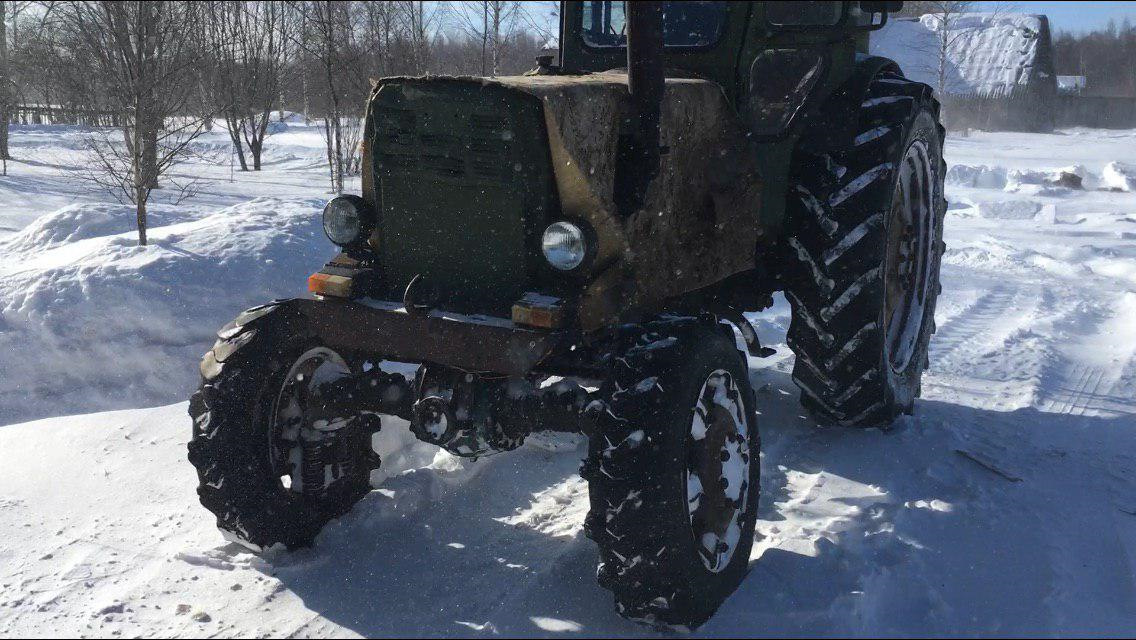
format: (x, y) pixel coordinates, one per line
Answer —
(1076, 16)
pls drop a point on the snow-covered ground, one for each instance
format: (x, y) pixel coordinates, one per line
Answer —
(1005, 506)
(89, 320)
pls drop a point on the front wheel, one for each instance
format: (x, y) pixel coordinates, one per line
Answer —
(273, 468)
(673, 472)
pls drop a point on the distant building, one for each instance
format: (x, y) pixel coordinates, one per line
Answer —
(997, 73)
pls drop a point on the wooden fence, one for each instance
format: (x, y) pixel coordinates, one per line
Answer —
(1096, 111)
(1026, 112)
(40, 114)
(1023, 111)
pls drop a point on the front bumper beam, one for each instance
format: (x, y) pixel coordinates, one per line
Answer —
(471, 343)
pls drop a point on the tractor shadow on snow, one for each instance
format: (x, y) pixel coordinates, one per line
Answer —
(916, 530)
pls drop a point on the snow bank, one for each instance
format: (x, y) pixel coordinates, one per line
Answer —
(1009, 209)
(1089, 180)
(1119, 176)
(981, 176)
(1044, 183)
(79, 222)
(89, 320)
(1030, 181)
(989, 54)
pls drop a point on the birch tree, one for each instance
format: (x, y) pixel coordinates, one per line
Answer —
(492, 23)
(249, 46)
(329, 42)
(9, 12)
(145, 56)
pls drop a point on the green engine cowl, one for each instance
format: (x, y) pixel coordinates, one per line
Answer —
(466, 174)
(463, 188)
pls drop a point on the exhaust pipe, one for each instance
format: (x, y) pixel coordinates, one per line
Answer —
(639, 154)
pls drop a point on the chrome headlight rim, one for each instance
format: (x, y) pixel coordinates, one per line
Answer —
(363, 222)
(581, 238)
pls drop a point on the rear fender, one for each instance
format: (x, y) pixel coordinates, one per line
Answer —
(833, 124)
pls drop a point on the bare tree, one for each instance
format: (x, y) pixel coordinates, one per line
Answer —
(473, 20)
(8, 11)
(541, 19)
(224, 84)
(267, 59)
(144, 54)
(946, 14)
(492, 23)
(330, 41)
(248, 45)
(6, 93)
(421, 21)
(382, 35)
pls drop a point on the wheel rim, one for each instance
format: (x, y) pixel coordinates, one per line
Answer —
(289, 433)
(907, 274)
(717, 470)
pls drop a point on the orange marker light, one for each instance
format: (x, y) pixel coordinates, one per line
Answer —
(535, 310)
(327, 284)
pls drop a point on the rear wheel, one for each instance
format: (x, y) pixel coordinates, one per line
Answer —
(273, 467)
(673, 473)
(865, 229)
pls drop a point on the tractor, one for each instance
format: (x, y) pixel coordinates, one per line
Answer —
(574, 250)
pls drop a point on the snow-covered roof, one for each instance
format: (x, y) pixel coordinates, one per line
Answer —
(987, 54)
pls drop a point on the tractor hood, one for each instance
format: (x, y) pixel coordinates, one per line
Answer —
(467, 172)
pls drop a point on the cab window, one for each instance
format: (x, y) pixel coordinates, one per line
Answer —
(685, 24)
(804, 14)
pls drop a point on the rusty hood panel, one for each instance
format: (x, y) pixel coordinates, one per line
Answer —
(700, 221)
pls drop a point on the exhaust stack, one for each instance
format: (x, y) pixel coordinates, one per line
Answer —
(639, 153)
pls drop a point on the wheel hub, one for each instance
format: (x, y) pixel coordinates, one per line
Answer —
(907, 272)
(307, 453)
(717, 469)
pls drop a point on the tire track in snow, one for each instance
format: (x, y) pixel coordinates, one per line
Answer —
(989, 350)
(971, 323)
(1077, 389)
(1096, 376)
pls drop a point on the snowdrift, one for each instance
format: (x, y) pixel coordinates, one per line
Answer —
(1120, 176)
(89, 320)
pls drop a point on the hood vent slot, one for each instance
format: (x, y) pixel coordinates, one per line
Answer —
(478, 150)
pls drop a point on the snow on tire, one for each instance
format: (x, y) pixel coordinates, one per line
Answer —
(862, 258)
(673, 472)
(249, 438)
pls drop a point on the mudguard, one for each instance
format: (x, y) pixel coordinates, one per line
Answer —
(833, 123)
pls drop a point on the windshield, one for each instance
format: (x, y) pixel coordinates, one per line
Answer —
(685, 24)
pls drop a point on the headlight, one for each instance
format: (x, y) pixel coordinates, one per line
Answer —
(564, 245)
(347, 220)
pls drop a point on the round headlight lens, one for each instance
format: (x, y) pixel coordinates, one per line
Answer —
(344, 220)
(564, 245)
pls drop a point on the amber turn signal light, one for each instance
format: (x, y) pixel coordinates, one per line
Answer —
(326, 284)
(536, 310)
